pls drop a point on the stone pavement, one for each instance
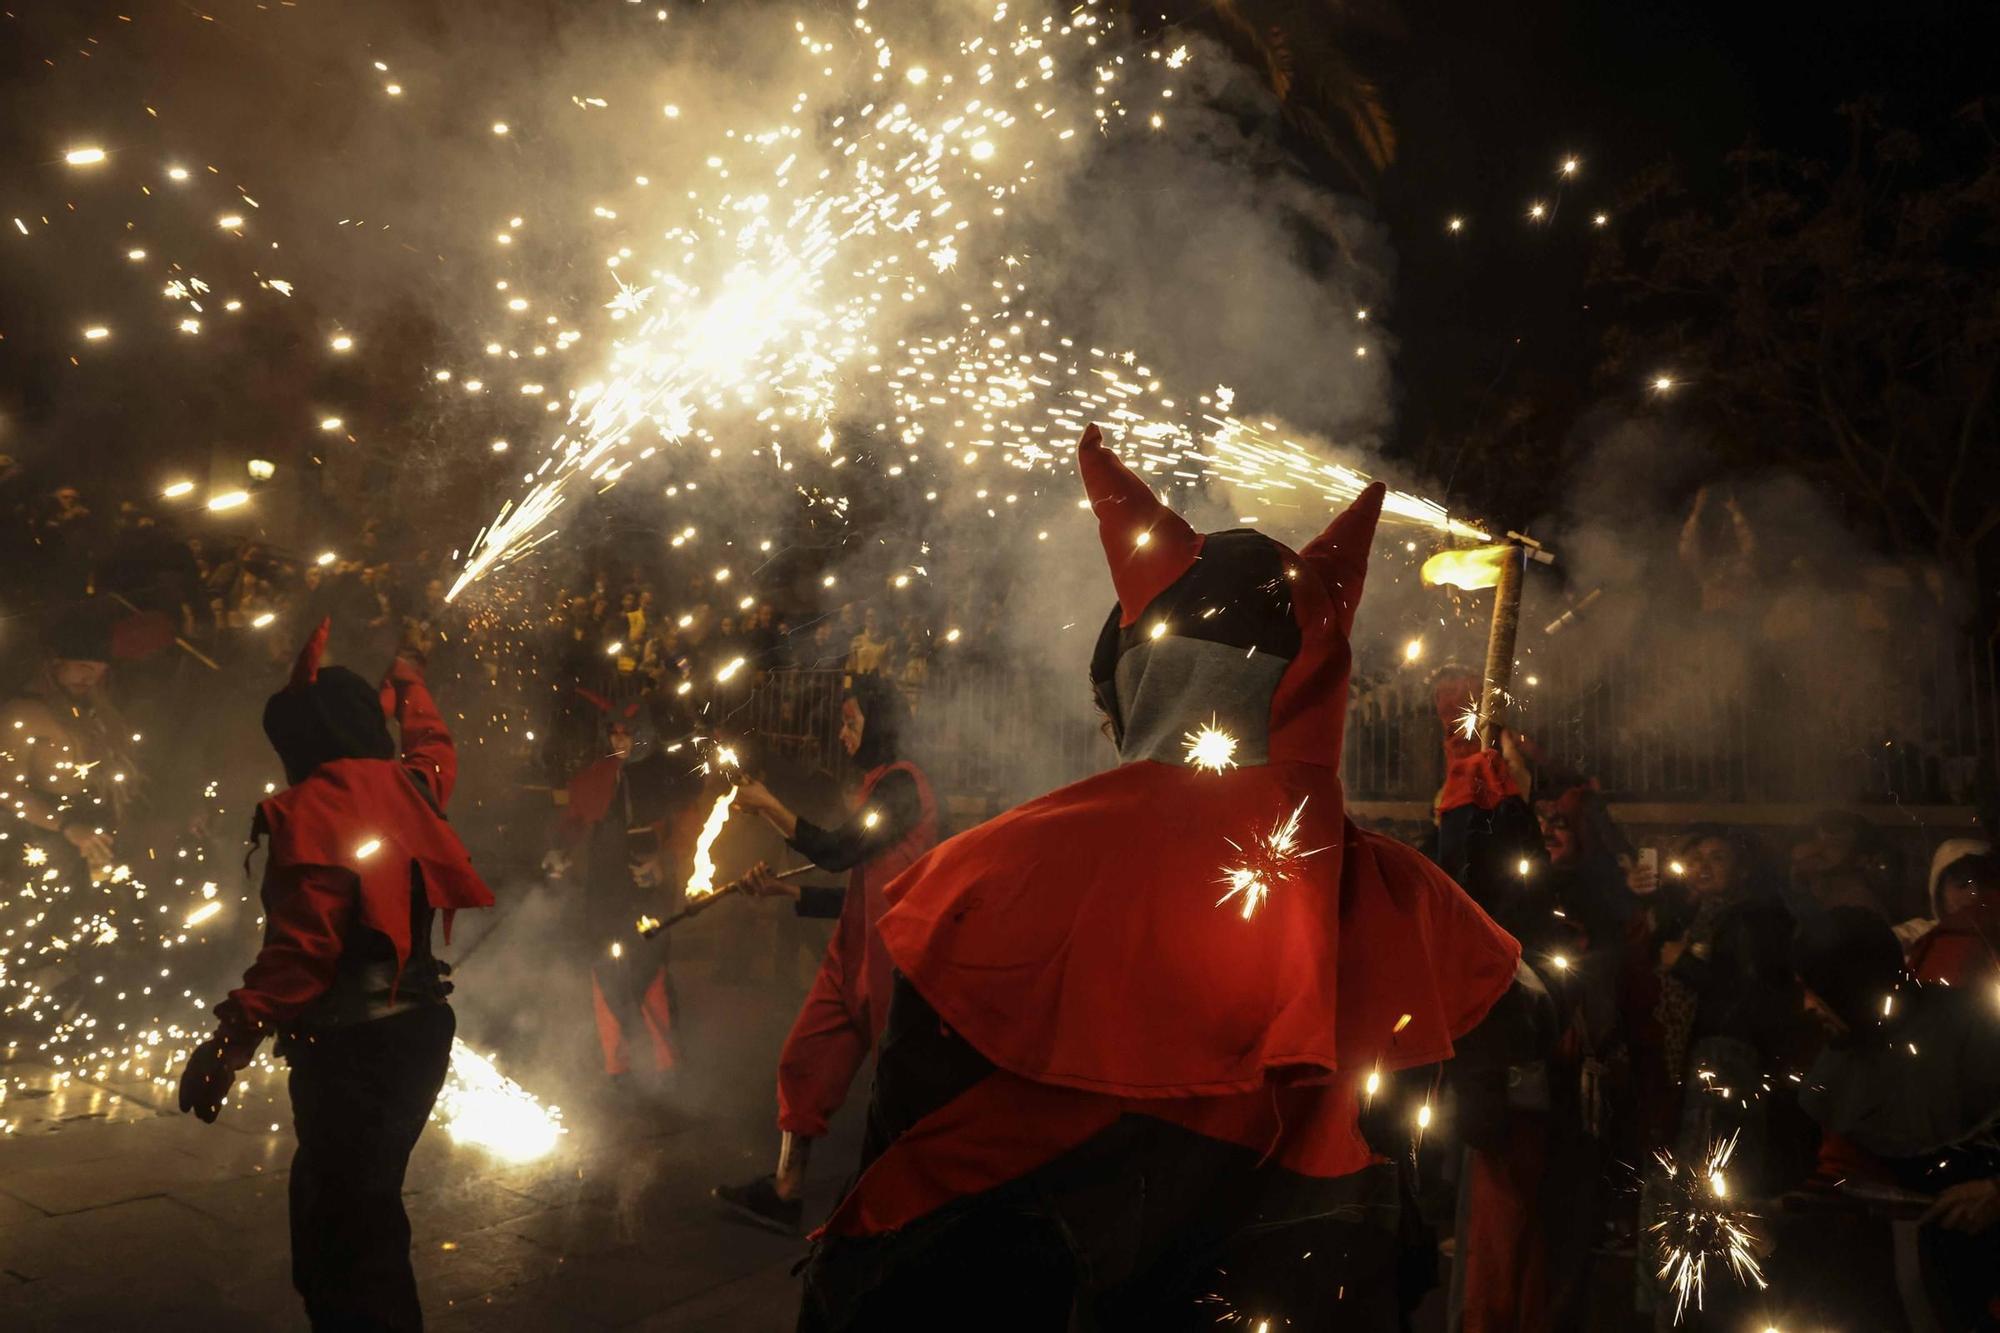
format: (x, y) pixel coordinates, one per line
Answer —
(117, 1212)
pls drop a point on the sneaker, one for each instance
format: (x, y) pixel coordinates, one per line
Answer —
(758, 1204)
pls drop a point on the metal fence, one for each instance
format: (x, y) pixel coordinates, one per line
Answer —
(1648, 727)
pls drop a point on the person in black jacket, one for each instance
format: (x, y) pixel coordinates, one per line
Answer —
(1725, 1015)
(894, 822)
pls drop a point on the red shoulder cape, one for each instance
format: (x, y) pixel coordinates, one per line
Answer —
(1077, 940)
(1078, 944)
(331, 819)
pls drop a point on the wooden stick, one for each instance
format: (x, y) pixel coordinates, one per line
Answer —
(1499, 674)
(699, 905)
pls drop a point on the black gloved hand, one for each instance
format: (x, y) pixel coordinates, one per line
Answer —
(205, 1081)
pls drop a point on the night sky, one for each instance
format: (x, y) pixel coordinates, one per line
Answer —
(1488, 99)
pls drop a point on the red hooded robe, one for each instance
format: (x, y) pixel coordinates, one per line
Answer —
(1079, 942)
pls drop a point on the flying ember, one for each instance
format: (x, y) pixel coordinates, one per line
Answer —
(1211, 748)
(1270, 860)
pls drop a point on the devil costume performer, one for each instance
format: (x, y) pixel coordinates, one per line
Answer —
(634, 814)
(893, 824)
(1527, 1082)
(360, 861)
(1106, 1096)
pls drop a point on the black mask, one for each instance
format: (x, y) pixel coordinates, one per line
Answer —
(337, 716)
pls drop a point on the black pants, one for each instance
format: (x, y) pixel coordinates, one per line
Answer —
(1146, 1227)
(360, 1098)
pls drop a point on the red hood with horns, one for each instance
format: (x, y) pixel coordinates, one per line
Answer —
(1080, 942)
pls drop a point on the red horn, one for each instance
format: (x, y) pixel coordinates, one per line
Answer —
(594, 699)
(1147, 545)
(1340, 554)
(306, 669)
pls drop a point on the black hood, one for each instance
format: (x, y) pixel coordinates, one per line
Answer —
(883, 715)
(1849, 957)
(1233, 633)
(336, 716)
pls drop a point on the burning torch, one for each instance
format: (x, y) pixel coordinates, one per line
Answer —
(1498, 567)
(649, 926)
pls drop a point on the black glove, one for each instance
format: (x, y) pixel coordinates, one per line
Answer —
(205, 1081)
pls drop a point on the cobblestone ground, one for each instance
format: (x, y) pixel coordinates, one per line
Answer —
(117, 1212)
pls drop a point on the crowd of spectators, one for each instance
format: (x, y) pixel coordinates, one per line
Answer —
(204, 611)
(1810, 1003)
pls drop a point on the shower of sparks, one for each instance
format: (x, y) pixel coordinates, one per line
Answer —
(1211, 748)
(1700, 1225)
(1269, 860)
(852, 256)
(701, 882)
(1469, 720)
(482, 1107)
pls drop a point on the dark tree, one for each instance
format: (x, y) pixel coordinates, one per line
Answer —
(1841, 320)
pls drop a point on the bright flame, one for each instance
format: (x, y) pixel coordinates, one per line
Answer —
(1472, 568)
(482, 1107)
(701, 882)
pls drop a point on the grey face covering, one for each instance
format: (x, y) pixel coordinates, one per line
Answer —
(1211, 647)
(1170, 688)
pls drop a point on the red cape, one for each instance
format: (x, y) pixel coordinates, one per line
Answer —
(331, 818)
(1025, 935)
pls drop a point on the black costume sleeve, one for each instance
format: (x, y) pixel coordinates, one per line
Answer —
(820, 902)
(897, 809)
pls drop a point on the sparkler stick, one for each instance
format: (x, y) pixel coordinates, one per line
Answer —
(186, 647)
(648, 927)
(1570, 617)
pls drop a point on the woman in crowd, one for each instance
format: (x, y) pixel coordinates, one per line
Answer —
(1908, 1087)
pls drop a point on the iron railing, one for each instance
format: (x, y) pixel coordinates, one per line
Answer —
(1647, 727)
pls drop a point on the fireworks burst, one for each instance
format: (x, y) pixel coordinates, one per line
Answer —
(852, 258)
(1700, 1225)
(1268, 861)
(482, 1107)
(1211, 748)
